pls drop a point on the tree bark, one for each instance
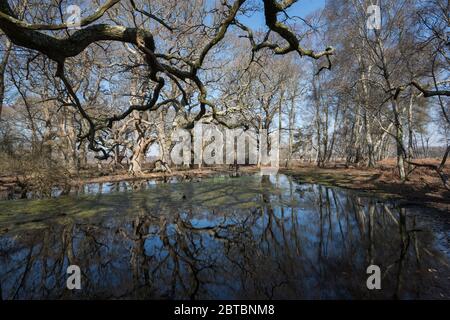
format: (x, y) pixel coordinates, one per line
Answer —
(3, 65)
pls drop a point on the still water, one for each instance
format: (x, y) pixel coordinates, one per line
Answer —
(249, 237)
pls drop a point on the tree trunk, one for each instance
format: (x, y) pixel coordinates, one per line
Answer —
(399, 141)
(319, 159)
(410, 128)
(163, 141)
(291, 133)
(138, 158)
(3, 65)
(367, 126)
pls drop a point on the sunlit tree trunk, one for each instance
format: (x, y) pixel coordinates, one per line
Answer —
(291, 133)
(399, 140)
(138, 156)
(163, 142)
(318, 120)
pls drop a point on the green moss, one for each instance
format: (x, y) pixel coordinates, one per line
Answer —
(211, 194)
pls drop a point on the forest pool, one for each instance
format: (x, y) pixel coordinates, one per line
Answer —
(248, 237)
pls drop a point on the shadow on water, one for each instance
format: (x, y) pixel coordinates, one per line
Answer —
(249, 237)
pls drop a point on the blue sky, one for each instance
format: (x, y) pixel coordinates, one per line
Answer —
(302, 8)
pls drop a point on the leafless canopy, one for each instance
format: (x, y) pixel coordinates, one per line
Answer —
(175, 67)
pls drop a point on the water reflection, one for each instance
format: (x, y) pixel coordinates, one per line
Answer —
(249, 237)
(14, 193)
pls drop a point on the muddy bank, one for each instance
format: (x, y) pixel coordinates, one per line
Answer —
(422, 188)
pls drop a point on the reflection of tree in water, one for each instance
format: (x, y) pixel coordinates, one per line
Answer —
(296, 241)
